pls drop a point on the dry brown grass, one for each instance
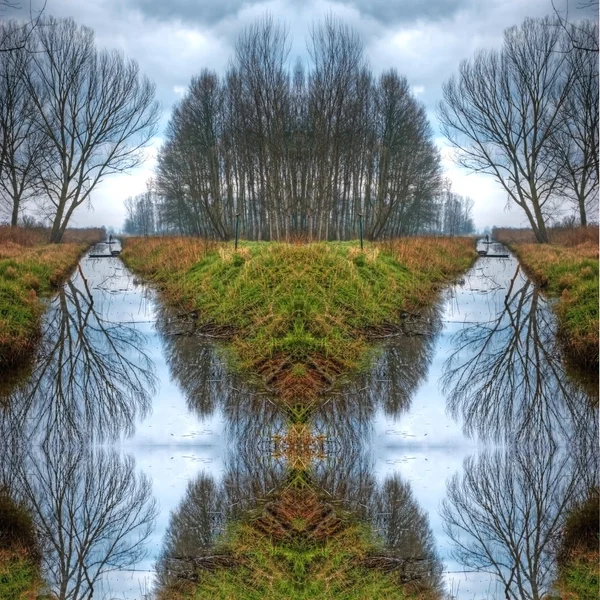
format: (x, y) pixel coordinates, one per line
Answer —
(36, 236)
(183, 252)
(562, 236)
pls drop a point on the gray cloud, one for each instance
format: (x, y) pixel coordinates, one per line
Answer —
(207, 12)
(388, 12)
(408, 11)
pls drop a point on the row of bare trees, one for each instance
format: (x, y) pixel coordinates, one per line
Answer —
(528, 115)
(149, 213)
(70, 115)
(302, 151)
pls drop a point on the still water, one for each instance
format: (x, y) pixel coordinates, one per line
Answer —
(465, 444)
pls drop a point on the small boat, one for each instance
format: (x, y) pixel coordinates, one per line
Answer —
(482, 252)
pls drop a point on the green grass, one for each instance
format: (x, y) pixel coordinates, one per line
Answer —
(571, 275)
(580, 578)
(19, 576)
(579, 554)
(299, 315)
(19, 560)
(28, 274)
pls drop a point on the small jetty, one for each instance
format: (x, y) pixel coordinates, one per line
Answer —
(488, 255)
(110, 254)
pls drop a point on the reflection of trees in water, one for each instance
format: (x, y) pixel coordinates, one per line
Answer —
(389, 508)
(504, 514)
(255, 481)
(405, 529)
(272, 498)
(204, 380)
(91, 377)
(345, 417)
(193, 527)
(92, 512)
(207, 384)
(506, 378)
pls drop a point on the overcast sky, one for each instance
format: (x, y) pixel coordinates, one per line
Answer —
(174, 39)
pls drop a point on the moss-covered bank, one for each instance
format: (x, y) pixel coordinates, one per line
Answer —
(579, 554)
(299, 316)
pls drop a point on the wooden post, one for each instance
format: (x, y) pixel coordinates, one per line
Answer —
(237, 224)
(360, 228)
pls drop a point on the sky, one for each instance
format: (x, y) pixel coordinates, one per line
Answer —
(173, 40)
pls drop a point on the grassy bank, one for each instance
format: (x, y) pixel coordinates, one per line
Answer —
(19, 559)
(299, 316)
(579, 555)
(30, 269)
(567, 268)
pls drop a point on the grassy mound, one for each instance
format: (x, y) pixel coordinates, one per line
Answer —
(297, 547)
(579, 557)
(19, 559)
(299, 316)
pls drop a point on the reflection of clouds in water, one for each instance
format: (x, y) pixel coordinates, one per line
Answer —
(428, 445)
(391, 445)
(91, 377)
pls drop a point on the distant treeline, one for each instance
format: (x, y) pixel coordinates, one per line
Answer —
(148, 214)
(298, 152)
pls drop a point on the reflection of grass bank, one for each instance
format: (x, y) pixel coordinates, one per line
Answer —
(298, 547)
(19, 563)
(300, 315)
(579, 557)
(30, 270)
(570, 273)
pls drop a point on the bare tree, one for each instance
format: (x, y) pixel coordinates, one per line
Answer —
(302, 151)
(22, 142)
(93, 514)
(19, 38)
(142, 214)
(95, 109)
(503, 108)
(574, 145)
(580, 38)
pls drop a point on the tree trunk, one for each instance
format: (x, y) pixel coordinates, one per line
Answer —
(582, 215)
(14, 219)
